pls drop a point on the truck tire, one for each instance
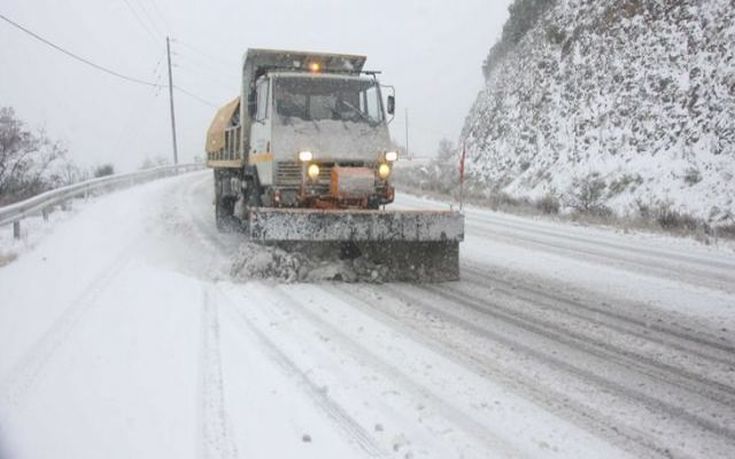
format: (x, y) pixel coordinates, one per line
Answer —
(223, 210)
(224, 205)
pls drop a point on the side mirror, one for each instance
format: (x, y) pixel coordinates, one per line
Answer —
(391, 105)
(252, 104)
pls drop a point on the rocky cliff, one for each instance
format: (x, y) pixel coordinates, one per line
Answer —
(636, 97)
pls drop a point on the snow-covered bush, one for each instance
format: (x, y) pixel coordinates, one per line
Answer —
(104, 170)
(587, 194)
(548, 204)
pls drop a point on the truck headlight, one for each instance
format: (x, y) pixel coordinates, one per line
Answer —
(391, 156)
(313, 172)
(383, 171)
(305, 156)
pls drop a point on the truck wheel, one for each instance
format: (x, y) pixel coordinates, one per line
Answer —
(373, 203)
(224, 205)
(224, 214)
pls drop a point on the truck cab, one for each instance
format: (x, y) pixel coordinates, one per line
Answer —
(319, 139)
(309, 131)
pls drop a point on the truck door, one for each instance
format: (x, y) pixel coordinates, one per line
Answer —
(260, 132)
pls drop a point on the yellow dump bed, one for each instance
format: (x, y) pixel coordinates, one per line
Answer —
(216, 132)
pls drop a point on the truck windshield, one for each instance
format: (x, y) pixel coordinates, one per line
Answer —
(315, 98)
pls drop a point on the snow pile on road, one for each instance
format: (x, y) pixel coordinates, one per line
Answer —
(301, 263)
(258, 262)
(637, 96)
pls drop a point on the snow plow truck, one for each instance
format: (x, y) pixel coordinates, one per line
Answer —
(304, 156)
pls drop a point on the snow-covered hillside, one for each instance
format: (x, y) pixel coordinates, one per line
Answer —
(639, 94)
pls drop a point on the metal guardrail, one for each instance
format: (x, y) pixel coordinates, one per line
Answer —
(40, 203)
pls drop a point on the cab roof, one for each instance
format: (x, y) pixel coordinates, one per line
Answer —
(301, 60)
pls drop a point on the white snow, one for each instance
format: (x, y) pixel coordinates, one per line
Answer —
(545, 249)
(641, 95)
(330, 139)
(122, 334)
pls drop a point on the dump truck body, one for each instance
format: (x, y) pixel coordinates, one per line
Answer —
(304, 155)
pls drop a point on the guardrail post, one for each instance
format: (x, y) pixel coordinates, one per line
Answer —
(16, 229)
(44, 213)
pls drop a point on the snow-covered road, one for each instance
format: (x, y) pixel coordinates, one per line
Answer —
(122, 334)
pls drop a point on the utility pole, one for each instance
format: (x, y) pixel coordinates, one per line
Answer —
(407, 155)
(171, 98)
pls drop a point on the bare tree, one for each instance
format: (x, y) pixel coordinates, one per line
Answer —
(68, 173)
(26, 159)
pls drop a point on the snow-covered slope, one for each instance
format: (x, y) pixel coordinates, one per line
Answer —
(638, 93)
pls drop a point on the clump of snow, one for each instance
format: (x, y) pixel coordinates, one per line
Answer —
(254, 261)
(304, 263)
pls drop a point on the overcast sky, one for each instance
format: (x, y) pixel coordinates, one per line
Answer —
(430, 50)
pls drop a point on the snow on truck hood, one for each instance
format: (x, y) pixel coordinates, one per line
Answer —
(329, 139)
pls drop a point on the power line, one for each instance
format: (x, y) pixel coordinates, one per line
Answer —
(204, 72)
(75, 56)
(153, 23)
(140, 21)
(202, 62)
(194, 96)
(219, 60)
(97, 66)
(161, 15)
(157, 74)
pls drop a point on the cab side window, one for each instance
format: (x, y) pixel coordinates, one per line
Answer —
(262, 100)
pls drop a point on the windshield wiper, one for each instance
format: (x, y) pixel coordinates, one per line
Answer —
(357, 110)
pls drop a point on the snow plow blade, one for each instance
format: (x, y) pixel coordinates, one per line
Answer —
(417, 246)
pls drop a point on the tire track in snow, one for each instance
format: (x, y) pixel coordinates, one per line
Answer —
(217, 442)
(205, 226)
(23, 375)
(603, 243)
(700, 342)
(626, 395)
(349, 427)
(455, 416)
(690, 383)
(429, 330)
(601, 240)
(567, 334)
(661, 268)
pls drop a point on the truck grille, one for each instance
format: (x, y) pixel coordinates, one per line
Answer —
(325, 173)
(288, 173)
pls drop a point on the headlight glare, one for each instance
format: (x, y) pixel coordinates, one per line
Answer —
(384, 171)
(391, 156)
(305, 156)
(313, 172)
